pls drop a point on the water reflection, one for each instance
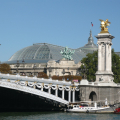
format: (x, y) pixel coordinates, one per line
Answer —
(56, 116)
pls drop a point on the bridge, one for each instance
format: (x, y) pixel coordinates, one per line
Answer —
(40, 87)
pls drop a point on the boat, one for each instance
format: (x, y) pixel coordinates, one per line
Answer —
(117, 111)
(90, 107)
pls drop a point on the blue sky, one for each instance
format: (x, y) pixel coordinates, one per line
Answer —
(58, 22)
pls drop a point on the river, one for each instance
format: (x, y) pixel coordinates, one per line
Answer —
(56, 116)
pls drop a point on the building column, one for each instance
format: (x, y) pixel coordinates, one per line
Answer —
(56, 91)
(99, 56)
(63, 94)
(42, 87)
(110, 57)
(73, 95)
(49, 90)
(69, 96)
(106, 61)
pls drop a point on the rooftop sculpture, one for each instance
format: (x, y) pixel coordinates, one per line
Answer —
(67, 53)
(104, 25)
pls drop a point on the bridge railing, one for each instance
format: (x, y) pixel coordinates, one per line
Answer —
(32, 79)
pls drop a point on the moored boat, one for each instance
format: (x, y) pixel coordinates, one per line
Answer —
(117, 111)
(90, 107)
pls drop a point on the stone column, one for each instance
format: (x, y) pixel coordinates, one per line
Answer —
(104, 73)
(42, 87)
(107, 58)
(63, 94)
(69, 96)
(99, 56)
(56, 91)
(110, 57)
(49, 90)
(73, 95)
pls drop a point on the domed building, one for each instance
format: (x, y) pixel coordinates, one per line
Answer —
(90, 47)
(44, 57)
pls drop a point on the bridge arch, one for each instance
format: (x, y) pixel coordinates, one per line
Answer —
(93, 96)
(32, 91)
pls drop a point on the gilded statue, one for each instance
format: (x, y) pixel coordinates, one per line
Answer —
(104, 25)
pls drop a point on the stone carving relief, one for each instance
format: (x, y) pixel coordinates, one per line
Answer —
(103, 50)
(101, 78)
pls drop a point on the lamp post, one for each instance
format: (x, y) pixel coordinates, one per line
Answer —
(63, 72)
(34, 68)
(23, 65)
(50, 70)
(17, 65)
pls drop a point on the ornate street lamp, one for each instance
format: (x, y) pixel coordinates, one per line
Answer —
(17, 65)
(34, 68)
(50, 70)
(23, 65)
(63, 72)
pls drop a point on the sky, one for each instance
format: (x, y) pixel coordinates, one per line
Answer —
(59, 22)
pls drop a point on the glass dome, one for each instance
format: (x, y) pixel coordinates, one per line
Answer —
(42, 53)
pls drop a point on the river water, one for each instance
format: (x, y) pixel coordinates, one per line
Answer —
(56, 116)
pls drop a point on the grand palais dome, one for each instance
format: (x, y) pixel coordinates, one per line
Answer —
(43, 52)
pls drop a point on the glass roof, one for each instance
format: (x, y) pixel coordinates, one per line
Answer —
(43, 52)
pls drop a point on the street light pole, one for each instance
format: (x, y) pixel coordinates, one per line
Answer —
(17, 65)
(34, 68)
(63, 72)
(23, 65)
(50, 70)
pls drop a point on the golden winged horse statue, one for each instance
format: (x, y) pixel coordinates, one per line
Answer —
(104, 25)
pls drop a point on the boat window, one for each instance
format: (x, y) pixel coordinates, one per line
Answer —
(74, 106)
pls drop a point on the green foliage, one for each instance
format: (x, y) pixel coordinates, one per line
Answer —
(116, 66)
(91, 63)
(5, 68)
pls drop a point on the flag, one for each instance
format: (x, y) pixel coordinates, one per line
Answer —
(92, 24)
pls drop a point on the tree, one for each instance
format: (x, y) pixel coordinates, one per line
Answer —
(116, 66)
(5, 68)
(91, 63)
(67, 77)
(42, 75)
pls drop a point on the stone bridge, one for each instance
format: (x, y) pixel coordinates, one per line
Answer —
(40, 87)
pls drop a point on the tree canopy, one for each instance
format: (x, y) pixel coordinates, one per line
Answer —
(5, 68)
(91, 63)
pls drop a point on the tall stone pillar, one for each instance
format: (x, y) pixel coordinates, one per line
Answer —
(104, 73)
